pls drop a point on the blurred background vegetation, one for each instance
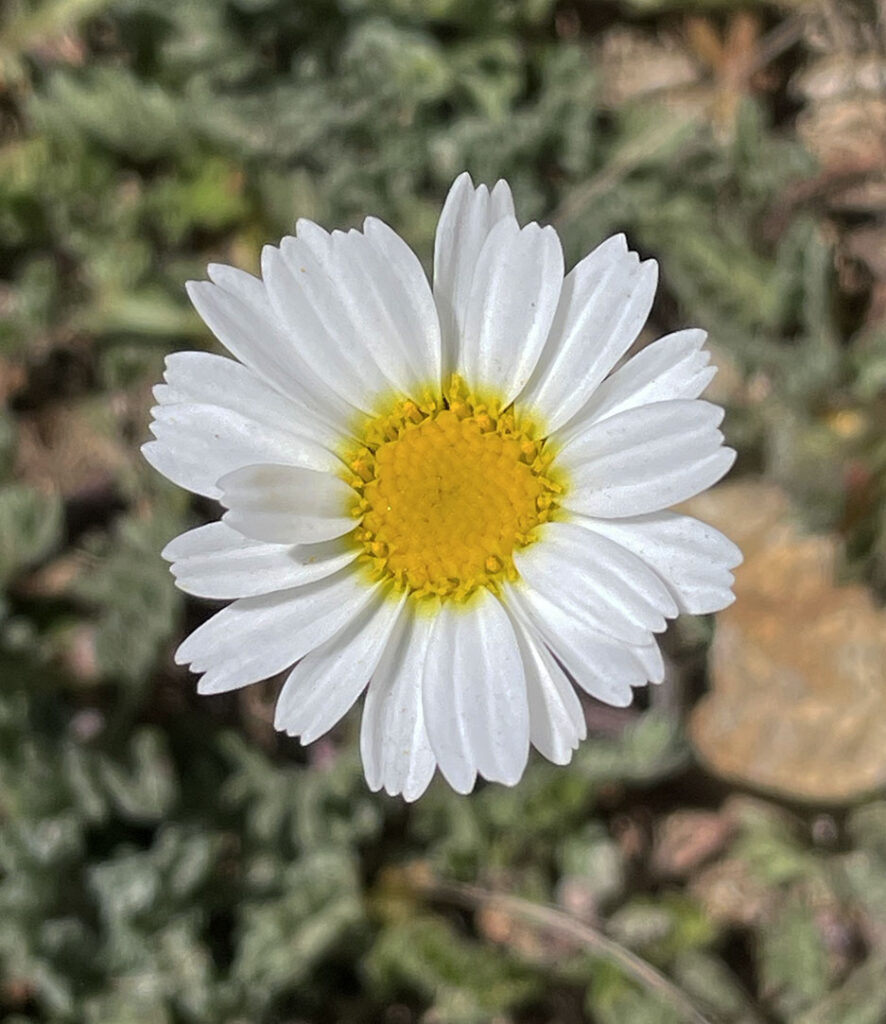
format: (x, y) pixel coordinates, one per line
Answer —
(166, 859)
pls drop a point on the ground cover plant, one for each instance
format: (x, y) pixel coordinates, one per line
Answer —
(719, 849)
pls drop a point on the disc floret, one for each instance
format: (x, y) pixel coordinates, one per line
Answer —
(448, 488)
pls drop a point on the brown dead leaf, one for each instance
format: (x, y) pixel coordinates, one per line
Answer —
(634, 65)
(78, 654)
(12, 375)
(843, 123)
(71, 448)
(498, 925)
(730, 894)
(54, 579)
(686, 839)
(798, 699)
(702, 72)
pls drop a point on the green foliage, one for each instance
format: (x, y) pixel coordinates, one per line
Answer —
(793, 960)
(129, 632)
(611, 999)
(467, 982)
(168, 860)
(30, 527)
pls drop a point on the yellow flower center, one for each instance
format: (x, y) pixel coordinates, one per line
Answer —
(448, 489)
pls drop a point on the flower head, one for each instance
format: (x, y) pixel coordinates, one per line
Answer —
(448, 493)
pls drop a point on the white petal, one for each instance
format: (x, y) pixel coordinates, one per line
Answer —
(196, 445)
(324, 685)
(252, 332)
(596, 581)
(413, 305)
(364, 304)
(604, 667)
(244, 286)
(468, 216)
(692, 558)
(645, 459)
(199, 378)
(394, 744)
(604, 303)
(651, 660)
(257, 637)
(512, 302)
(287, 504)
(306, 293)
(203, 379)
(315, 236)
(671, 368)
(218, 562)
(474, 694)
(556, 719)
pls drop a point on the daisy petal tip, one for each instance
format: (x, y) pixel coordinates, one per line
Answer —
(617, 243)
(267, 260)
(281, 717)
(153, 450)
(304, 225)
(624, 698)
(512, 775)
(649, 272)
(216, 272)
(198, 292)
(463, 182)
(705, 375)
(463, 784)
(501, 191)
(170, 552)
(372, 783)
(414, 789)
(727, 460)
(307, 736)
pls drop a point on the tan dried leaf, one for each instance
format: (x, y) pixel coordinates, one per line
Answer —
(730, 894)
(798, 701)
(686, 839)
(844, 125)
(634, 65)
(71, 449)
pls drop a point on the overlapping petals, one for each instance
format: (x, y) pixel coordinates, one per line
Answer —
(339, 320)
(474, 694)
(645, 459)
(607, 298)
(217, 562)
(467, 219)
(286, 504)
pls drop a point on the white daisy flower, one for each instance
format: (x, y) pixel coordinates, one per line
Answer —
(447, 493)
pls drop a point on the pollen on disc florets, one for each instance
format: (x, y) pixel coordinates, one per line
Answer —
(448, 488)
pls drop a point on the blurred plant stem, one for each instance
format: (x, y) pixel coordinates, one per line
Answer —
(561, 925)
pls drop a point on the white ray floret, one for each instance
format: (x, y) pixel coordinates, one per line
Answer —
(452, 497)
